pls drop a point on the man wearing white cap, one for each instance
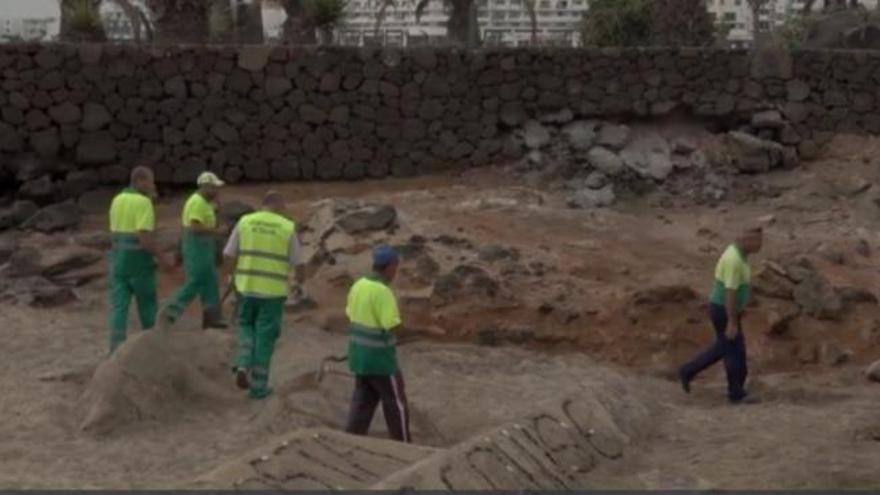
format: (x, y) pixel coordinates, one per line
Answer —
(200, 233)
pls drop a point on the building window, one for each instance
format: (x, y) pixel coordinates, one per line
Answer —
(729, 17)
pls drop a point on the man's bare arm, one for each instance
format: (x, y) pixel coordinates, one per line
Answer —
(732, 314)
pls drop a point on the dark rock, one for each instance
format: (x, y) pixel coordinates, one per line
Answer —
(755, 155)
(465, 281)
(797, 90)
(230, 212)
(96, 149)
(817, 298)
(40, 191)
(96, 202)
(286, 169)
(591, 198)
(53, 218)
(664, 294)
(65, 113)
(872, 372)
(581, 135)
(367, 219)
(95, 117)
(614, 137)
(46, 143)
(277, 86)
(225, 132)
(17, 214)
(857, 295)
(535, 135)
(7, 247)
(770, 119)
(493, 253)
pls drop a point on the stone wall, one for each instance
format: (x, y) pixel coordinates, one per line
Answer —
(72, 116)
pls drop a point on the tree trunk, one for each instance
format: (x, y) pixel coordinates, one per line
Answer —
(180, 21)
(182, 27)
(294, 30)
(74, 34)
(458, 24)
(249, 18)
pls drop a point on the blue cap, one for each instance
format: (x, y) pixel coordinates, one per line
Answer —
(384, 255)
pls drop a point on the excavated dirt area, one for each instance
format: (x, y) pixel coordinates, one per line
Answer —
(563, 328)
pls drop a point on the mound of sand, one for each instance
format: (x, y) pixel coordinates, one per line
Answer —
(312, 459)
(155, 375)
(557, 447)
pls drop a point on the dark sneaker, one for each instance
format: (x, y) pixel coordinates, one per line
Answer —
(745, 399)
(685, 382)
(241, 379)
(213, 319)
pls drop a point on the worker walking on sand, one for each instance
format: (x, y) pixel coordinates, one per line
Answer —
(200, 233)
(374, 321)
(133, 255)
(265, 251)
(727, 301)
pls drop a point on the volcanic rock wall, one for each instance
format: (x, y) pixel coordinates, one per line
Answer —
(72, 116)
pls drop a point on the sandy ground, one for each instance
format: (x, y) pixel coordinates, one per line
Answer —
(815, 427)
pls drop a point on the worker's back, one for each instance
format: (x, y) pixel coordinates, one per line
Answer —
(373, 314)
(263, 265)
(131, 213)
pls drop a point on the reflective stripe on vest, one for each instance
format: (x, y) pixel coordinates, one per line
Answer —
(263, 260)
(371, 337)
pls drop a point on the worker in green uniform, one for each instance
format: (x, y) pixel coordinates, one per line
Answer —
(727, 304)
(374, 321)
(200, 232)
(265, 251)
(133, 255)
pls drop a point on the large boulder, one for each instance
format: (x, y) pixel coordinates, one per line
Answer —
(535, 135)
(368, 219)
(591, 198)
(581, 135)
(16, 214)
(55, 217)
(754, 155)
(605, 161)
(613, 136)
(818, 298)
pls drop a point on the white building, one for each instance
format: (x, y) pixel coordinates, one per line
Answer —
(502, 23)
(738, 15)
(29, 29)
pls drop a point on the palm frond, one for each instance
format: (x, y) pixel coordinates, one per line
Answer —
(420, 9)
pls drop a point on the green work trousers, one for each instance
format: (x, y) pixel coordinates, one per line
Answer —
(132, 274)
(259, 324)
(201, 276)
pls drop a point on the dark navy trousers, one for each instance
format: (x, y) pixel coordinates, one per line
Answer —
(733, 352)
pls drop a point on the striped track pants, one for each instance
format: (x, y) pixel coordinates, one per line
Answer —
(369, 391)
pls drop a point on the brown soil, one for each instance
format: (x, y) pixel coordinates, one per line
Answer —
(565, 314)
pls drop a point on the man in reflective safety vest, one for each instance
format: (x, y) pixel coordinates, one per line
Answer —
(265, 249)
(199, 248)
(372, 352)
(133, 255)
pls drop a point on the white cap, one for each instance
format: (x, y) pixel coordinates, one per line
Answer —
(209, 179)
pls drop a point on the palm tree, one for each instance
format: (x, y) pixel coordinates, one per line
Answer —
(180, 21)
(81, 21)
(532, 11)
(462, 25)
(294, 30)
(140, 24)
(249, 21)
(324, 16)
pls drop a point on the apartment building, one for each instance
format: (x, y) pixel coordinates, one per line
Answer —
(502, 23)
(738, 15)
(30, 29)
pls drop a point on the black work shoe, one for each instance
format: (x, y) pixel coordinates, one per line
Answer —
(745, 399)
(685, 382)
(212, 319)
(241, 379)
